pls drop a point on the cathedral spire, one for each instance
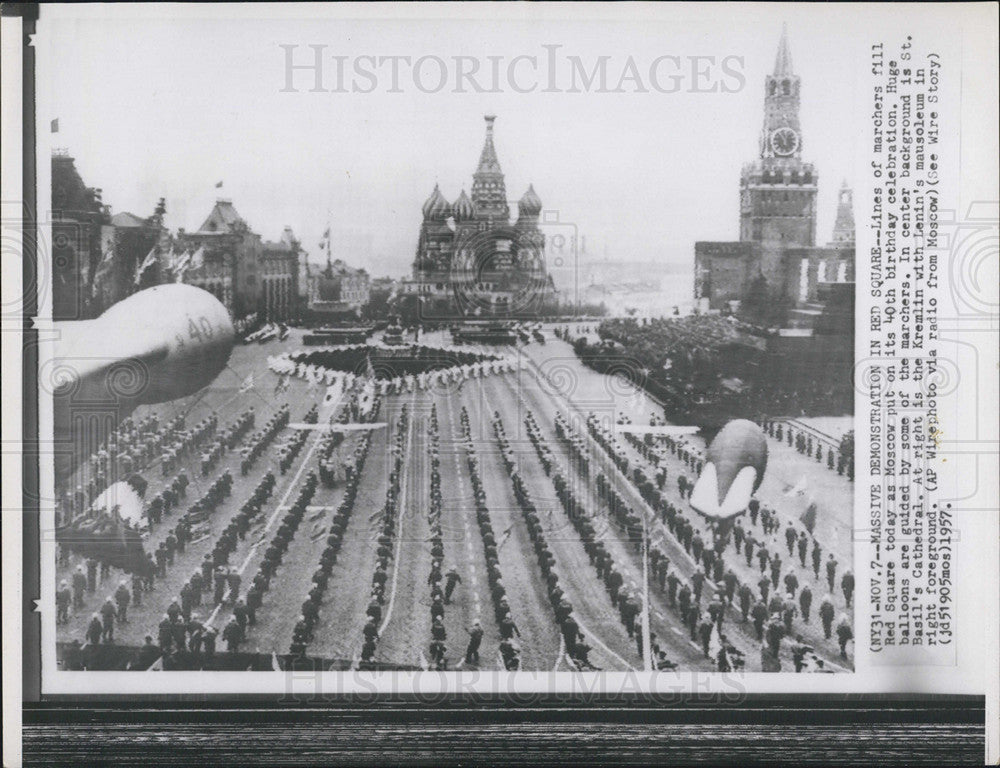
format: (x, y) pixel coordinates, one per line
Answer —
(489, 195)
(488, 162)
(783, 62)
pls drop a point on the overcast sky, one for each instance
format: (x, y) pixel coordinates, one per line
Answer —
(153, 108)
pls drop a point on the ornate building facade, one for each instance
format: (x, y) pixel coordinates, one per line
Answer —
(79, 230)
(279, 278)
(231, 255)
(471, 259)
(776, 264)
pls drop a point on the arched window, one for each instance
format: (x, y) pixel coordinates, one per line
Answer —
(786, 87)
(772, 87)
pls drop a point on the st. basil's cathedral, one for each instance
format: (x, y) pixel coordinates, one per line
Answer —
(471, 261)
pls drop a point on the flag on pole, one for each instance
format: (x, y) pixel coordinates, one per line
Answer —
(218, 185)
(109, 250)
(198, 258)
(808, 518)
(180, 266)
(55, 125)
(149, 261)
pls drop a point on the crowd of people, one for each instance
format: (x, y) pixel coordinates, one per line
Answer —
(226, 440)
(185, 441)
(254, 448)
(129, 449)
(779, 605)
(713, 361)
(386, 539)
(810, 445)
(146, 565)
(156, 561)
(577, 647)
(626, 598)
(510, 648)
(440, 597)
(775, 603)
(421, 369)
(289, 451)
(304, 630)
(234, 632)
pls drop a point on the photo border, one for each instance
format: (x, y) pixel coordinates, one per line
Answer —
(826, 728)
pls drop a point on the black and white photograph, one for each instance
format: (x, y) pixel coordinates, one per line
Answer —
(391, 354)
(470, 383)
(466, 383)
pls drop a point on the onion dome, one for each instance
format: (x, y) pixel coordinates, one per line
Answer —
(462, 208)
(529, 204)
(436, 208)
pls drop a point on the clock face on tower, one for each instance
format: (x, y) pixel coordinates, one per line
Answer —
(784, 141)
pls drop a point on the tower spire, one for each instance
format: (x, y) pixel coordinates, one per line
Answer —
(488, 162)
(843, 227)
(489, 195)
(783, 62)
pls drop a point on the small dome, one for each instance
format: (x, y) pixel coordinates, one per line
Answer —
(436, 207)
(529, 204)
(462, 208)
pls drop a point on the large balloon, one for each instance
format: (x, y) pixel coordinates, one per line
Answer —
(157, 345)
(734, 468)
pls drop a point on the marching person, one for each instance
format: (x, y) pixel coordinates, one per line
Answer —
(844, 634)
(108, 613)
(847, 585)
(788, 612)
(764, 585)
(759, 614)
(799, 651)
(208, 641)
(63, 599)
(805, 601)
(123, 597)
(790, 539)
(451, 579)
(746, 598)
(95, 629)
(233, 635)
(79, 586)
(137, 589)
(803, 547)
(475, 639)
(791, 582)
(166, 634)
(831, 571)
(826, 612)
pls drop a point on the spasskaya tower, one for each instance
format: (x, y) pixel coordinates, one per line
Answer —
(778, 190)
